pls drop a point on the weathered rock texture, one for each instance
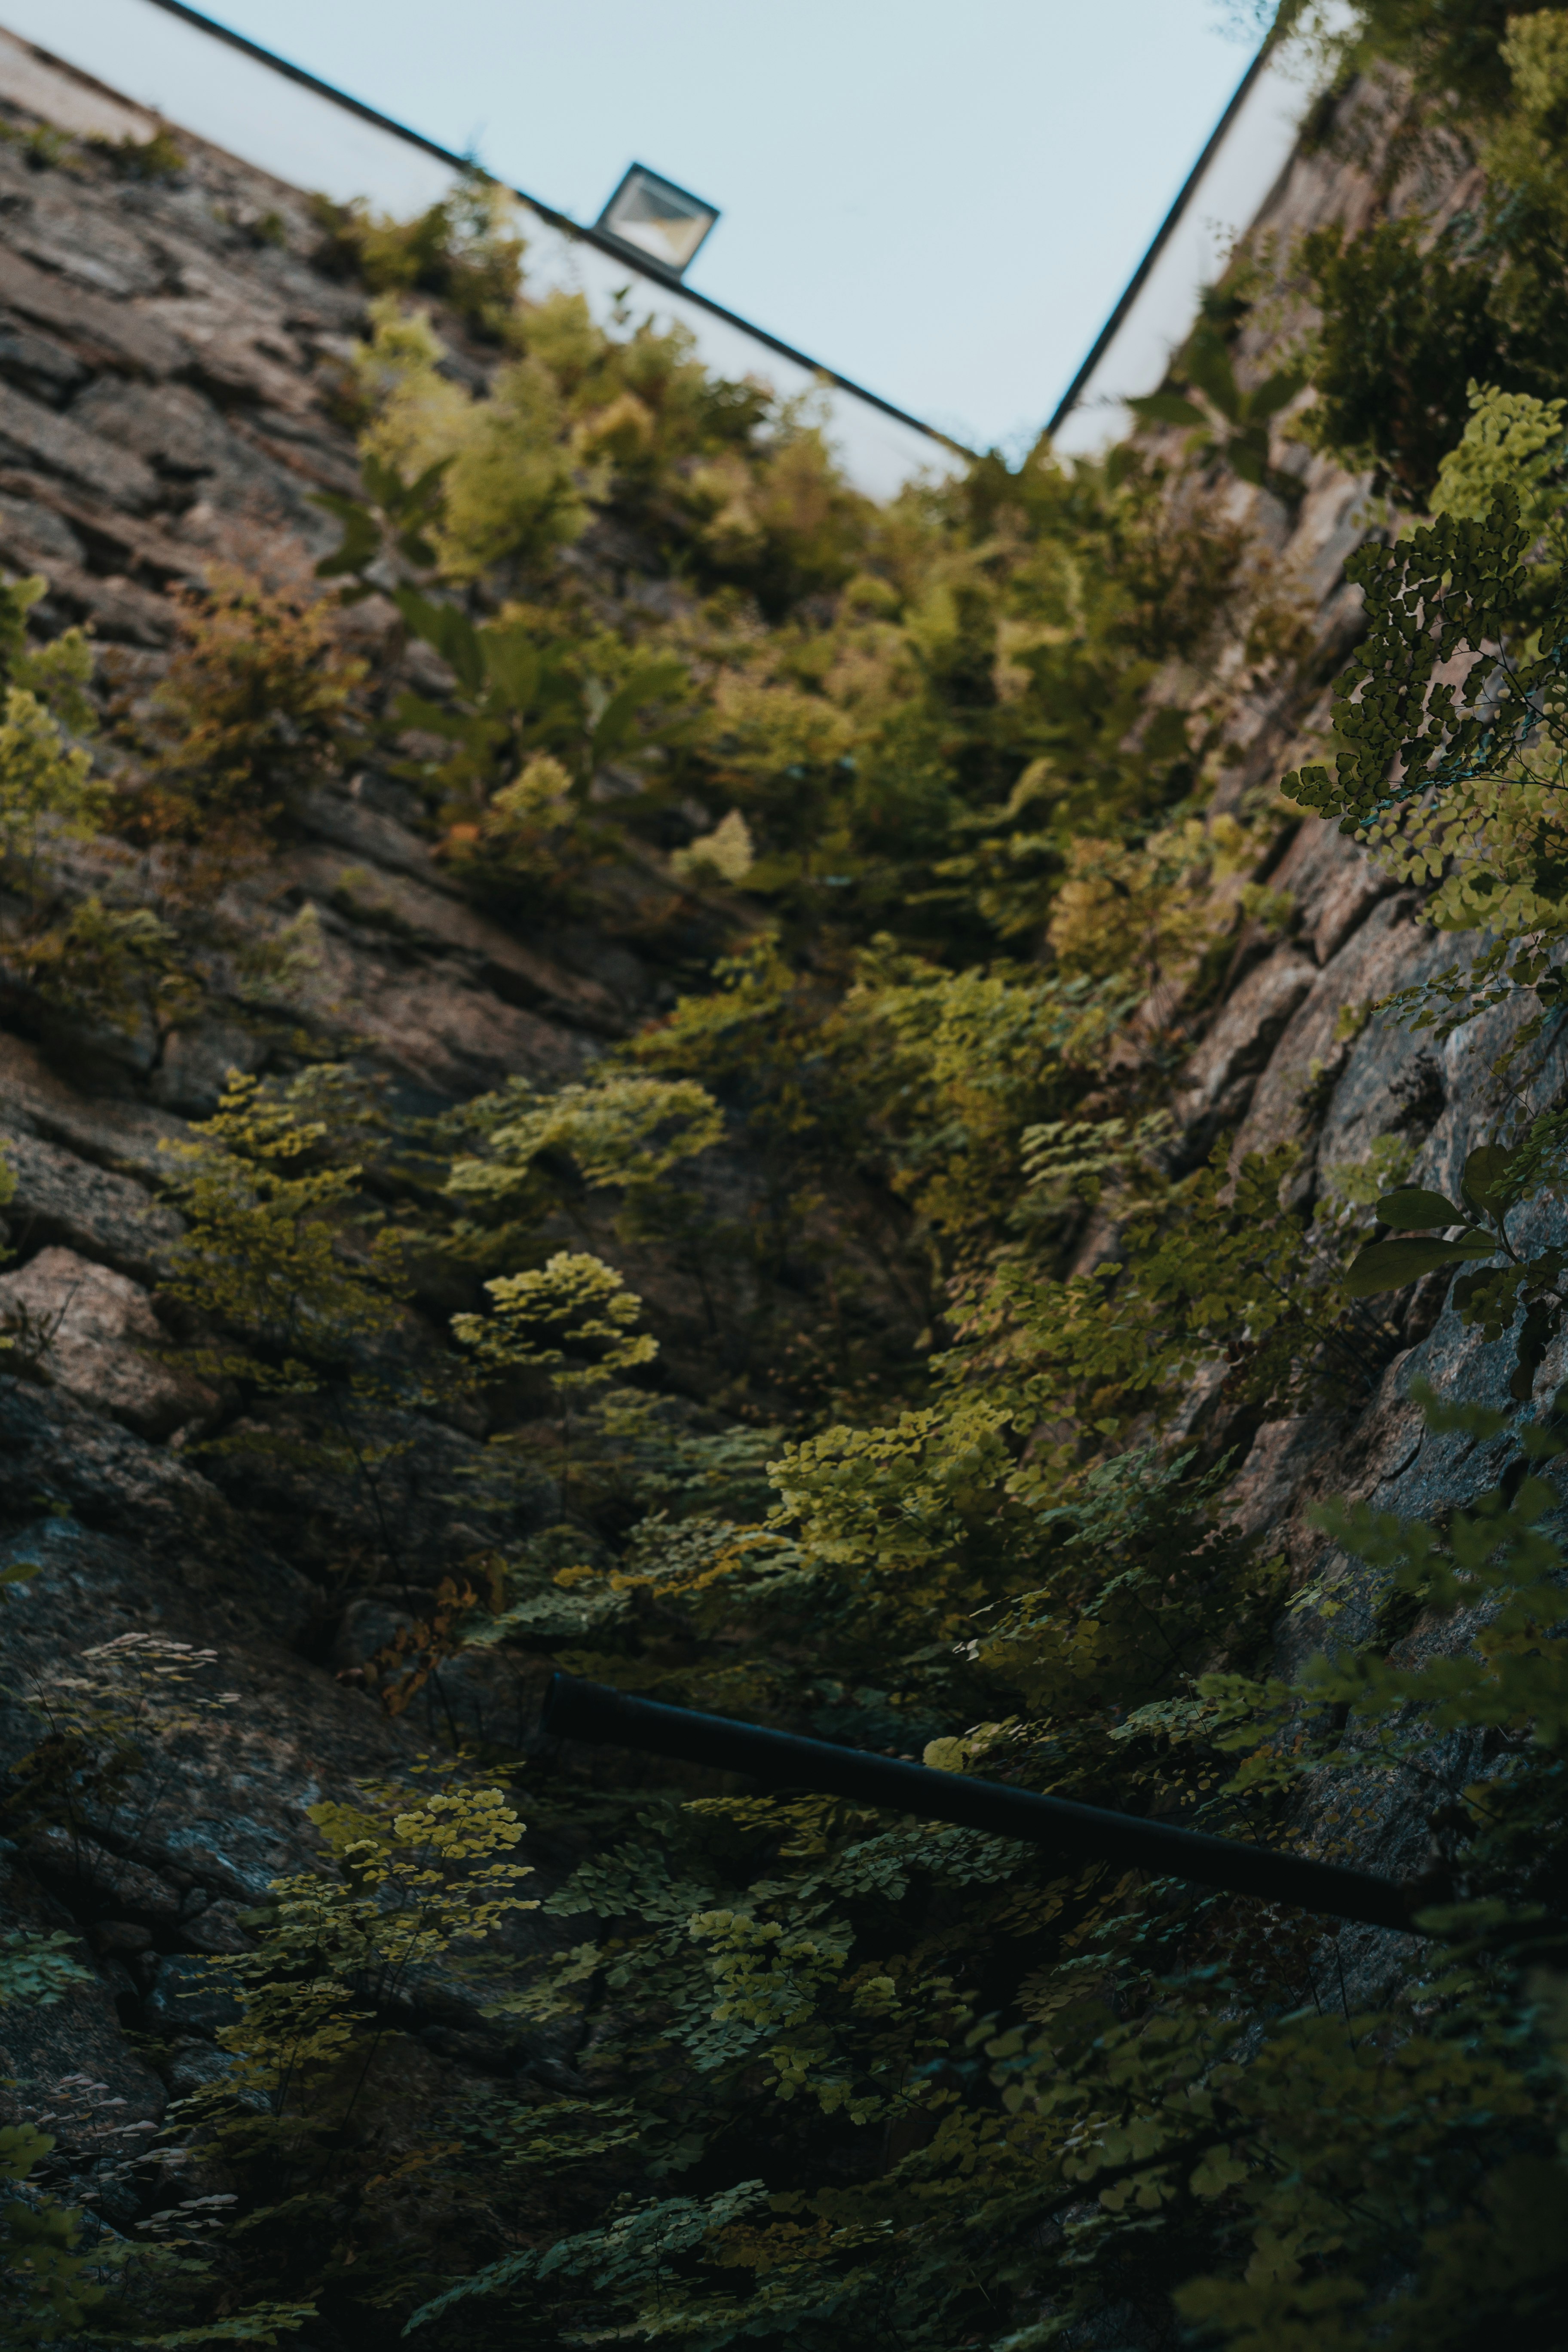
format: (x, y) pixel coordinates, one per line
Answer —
(94, 1333)
(166, 381)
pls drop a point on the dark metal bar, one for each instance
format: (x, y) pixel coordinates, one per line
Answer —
(592, 1712)
(643, 264)
(1161, 237)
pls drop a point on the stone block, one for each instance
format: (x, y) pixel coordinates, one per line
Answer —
(92, 1333)
(1333, 883)
(32, 436)
(182, 437)
(33, 537)
(83, 242)
(77, 2035)
(1384, 953)
(193, 2066)
(1243, 1036)
(189, 1996)
(118, 610)
(105, 333)
(196, 1065)
(125, 1136)
(1350, 899)
(63, 1200)
(103, 535)
(217, 1929)
(39, 365)
(424, 916)
(110, 1881)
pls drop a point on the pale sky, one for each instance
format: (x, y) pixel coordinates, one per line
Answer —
(940, 202)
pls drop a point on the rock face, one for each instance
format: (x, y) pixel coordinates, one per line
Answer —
(166, 398)
(94, 1333)
(166, 382)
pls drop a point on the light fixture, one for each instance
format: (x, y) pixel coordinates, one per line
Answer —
(665, 222)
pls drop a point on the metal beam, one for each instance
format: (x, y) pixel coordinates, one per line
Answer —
(590, 1711)
(1161, 237)
(645, 267)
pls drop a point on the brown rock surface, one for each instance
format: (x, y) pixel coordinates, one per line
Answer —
(94, 1333)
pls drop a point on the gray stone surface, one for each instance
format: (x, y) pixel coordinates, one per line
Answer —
(101, 332)
(63, 1199)
(189, 1996)
(39, 365)
(116, 1134)
(393, 908)
(182, 437)
(33, 537)
(194, 1066)
(62, 230)
(1218, 1076)
(33, 435)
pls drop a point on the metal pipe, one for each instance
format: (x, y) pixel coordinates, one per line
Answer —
(593, 1712)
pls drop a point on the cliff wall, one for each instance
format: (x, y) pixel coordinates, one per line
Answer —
(170, 371)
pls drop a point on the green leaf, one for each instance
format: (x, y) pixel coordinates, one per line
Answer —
(1167, 408)
(422, 499)
(384, 483)
(1411, 1206)
(1217, 2171)
(1536, 1334)
(1389, 1265)
(1484, 1183)
(617, 729)
(1209, 367)
(1248, 457)
(361, 543)
(1277, 393)
(451, 633)
(36, 1970)
(512, 664)
(21, 2145)
(433, 719)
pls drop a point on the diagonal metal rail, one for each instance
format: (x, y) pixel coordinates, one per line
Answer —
(593, 1712)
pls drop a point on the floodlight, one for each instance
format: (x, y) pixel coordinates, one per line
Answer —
(662, 221)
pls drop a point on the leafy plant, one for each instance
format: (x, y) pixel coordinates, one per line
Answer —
(252, 712)
(1452, 778)
(159, 157)
(1227, 424)
(520, 708)
(47, 791)
(466, 249)
(571, 1314)
(1411, 320)
(268, 1197)
(1491, 1298)
(37, 1970)
(343, 1959)
(839, 2079)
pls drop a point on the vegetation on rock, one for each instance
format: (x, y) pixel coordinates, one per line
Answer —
(936, 822)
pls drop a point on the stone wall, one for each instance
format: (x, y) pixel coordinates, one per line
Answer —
(168, 365)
